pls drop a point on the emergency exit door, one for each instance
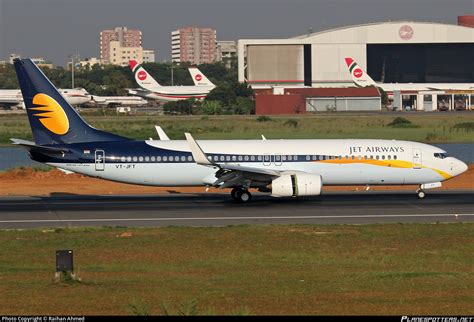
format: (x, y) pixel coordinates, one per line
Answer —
(417, 161)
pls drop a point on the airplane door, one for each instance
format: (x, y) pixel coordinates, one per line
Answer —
(99, 160)
(417, 161)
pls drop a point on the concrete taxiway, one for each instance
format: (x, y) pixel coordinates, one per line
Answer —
(218, 209)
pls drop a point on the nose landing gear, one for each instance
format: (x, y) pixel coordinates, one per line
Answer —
(240, 195)
(420, 193)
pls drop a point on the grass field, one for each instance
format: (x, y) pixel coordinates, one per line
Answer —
(396, 269)
(425, 127)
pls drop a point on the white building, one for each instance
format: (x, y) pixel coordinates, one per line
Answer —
(390, 52)
(121, 56)
(90, 62)
(226, 51)
(148, 56)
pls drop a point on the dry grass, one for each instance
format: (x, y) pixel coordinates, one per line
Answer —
(396, 269)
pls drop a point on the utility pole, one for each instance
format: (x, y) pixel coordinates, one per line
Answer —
(172, 80)
(72, 68)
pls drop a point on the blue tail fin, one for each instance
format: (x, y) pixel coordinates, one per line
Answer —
(52, 119)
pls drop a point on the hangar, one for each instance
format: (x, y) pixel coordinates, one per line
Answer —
(391, 52)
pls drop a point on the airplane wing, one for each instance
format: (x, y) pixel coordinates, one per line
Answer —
(230, 174)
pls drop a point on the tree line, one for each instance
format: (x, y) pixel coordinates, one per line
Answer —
(229, 96)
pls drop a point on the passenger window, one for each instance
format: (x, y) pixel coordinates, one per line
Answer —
(371, 157)
(227, 157)
(158, 159)
(383, 157)
(394, 157)
(234, 158)
(239, 158)
(147, 159)
(283, 157)
(365, 157)
(183, 158)
(140, 159)
(190, 158)
(165, 159)
(252, 158)
(222, 158)
(377, 157)
(340, 157)
(353, 157)
(259, 158)
(122, 159)
(246, 158)
(153, 159)
(308, 158)
(135, 159)
(359, 157)
(389, 157)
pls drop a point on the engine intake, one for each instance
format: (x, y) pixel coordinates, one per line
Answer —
(294, 185)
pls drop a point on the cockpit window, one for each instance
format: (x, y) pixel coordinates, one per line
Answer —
(441, 155)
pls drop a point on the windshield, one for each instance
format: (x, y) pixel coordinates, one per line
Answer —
(441, 155)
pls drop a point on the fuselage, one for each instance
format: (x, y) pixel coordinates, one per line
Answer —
(73, 96)
(339, 162)
(176, 93)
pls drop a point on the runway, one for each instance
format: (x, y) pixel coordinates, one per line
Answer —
(218, 209)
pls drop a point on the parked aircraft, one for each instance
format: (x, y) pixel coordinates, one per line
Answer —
(362, 79)
(12, 97)
(118, 100)
(150, 88)
(284, 168)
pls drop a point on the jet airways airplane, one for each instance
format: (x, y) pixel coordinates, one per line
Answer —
(12, 97)
(362, 79)
(284, 168)
(149, 87)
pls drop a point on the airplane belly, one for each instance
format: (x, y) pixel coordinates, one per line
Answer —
(151, 174)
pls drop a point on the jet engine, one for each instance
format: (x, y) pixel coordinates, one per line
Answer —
(299, 184)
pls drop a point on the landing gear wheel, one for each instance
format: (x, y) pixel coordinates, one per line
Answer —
(233, 194)
(244, 196)
(240, 195)
(421, 194)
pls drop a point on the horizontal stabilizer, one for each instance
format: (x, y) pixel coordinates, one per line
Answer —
(32, 145)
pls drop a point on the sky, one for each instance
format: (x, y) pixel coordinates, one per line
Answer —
(56, 29)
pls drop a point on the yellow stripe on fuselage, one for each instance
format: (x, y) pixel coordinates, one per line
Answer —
(385, 163)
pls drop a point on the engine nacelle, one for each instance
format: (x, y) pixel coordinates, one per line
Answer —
(299, 184)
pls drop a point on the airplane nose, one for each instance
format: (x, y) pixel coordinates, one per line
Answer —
(459, 167)
(462, 167)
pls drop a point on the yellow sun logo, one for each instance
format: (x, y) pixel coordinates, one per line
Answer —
(51, 114)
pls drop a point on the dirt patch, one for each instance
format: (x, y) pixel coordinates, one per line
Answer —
(21, 182)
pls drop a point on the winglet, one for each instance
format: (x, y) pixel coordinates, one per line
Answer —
(198, 155)
(161, 133)
(264, 138)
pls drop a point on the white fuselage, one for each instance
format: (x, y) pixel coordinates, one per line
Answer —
(339, 162)
(72, 96)
(390, 87)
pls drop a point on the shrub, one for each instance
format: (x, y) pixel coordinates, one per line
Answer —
(263, 118)
(401, 122)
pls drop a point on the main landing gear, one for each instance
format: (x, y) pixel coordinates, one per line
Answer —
(240, 195)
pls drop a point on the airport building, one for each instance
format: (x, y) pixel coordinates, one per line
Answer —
(390, 52)
(193, 44)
